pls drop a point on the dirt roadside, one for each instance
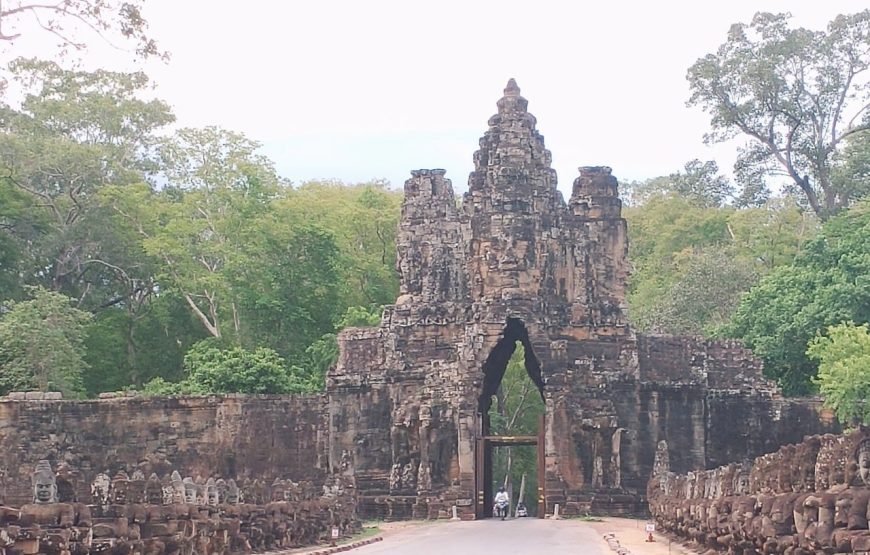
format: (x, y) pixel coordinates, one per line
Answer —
(632, 535)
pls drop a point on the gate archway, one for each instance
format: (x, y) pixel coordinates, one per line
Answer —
(494, 369)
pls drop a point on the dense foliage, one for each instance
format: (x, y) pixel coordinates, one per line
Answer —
(843, 354)
(213, 368)
(42, 344)
(828, 284)
(166, 240)
(135, 255)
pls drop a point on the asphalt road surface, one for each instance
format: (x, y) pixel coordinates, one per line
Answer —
(522, 536)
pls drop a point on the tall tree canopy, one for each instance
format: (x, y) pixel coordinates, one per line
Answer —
(797, 94)
(693, 258)
(828, 284)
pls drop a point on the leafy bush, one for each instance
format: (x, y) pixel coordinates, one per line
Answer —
(42, 344)
(212, 369)
(844, 371)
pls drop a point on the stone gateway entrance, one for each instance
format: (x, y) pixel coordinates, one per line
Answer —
(484, 468)
(515, 262)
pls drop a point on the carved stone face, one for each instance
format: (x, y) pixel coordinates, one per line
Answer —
(44, 489)
(741, 487)
(211, 493)
(154, 491)
(189, 491)
(863, 457)
(232, 493)
(44, 484)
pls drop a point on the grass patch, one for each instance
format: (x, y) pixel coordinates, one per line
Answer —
(368, 530)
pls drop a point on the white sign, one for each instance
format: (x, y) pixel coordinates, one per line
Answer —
(650, 527)
(335, 532)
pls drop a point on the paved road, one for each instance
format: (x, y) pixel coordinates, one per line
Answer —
(523, 536)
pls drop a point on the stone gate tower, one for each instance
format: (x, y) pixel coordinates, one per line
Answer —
(407, 400)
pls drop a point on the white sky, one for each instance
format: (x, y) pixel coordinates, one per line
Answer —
(357, 89)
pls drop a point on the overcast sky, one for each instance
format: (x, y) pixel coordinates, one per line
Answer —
(362, 89)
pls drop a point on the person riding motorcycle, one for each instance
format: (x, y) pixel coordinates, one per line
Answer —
(502, 500)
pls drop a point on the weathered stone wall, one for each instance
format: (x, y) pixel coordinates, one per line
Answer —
(808, 497)
(240, 437)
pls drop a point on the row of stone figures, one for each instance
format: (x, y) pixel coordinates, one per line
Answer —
(49, 487)
(174, 516)
(808, 498)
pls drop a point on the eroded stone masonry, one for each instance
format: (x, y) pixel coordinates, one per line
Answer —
(398, 431)
(515, 262)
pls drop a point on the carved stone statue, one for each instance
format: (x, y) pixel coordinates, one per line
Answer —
(100, 489)
(424, 478)
(597, 471)
(221, 486)
(232, 493)
(177, 487)
(396, 476)
(153, 490)
(120, 488)
(615, 458)
(862, 457)
(409, 475)
(279, 490)
(189, 491)
(211, 493)
(661, 464)
(690, 485)
(44, 484)
(741, 481)
(65, 480)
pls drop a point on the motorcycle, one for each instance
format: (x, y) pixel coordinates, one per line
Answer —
(500, 509)
(521, 510)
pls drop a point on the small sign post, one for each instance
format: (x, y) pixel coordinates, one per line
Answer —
(335, 532)
(650, 528)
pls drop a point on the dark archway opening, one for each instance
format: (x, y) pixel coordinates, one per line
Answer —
(511, 409)
(497, 362)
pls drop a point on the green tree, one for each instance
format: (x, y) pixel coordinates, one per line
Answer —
(843, 355)
(42, 344)
(693, 262)
(364, 219)
(220, 192)
(699, 183)
(213, 369)
(288, 287)
(665, 232)
(826, 285)
(74, 134)
(797, 94)
(703, 296)
(360, 317)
